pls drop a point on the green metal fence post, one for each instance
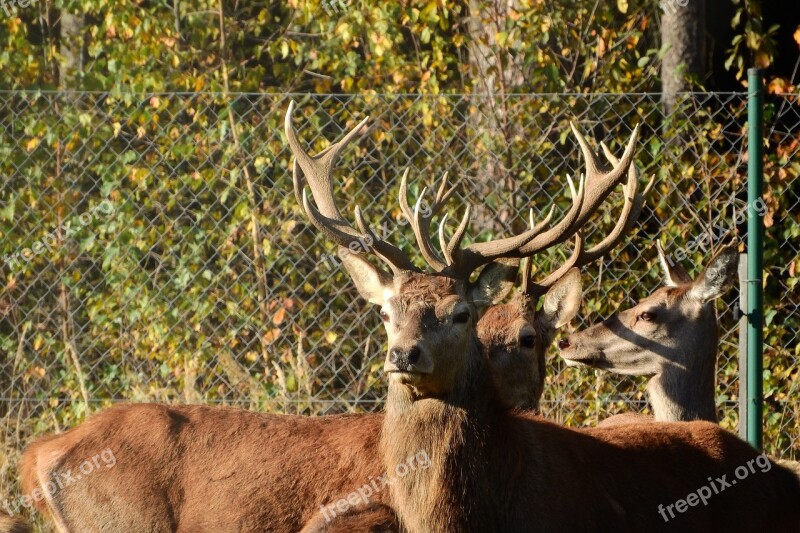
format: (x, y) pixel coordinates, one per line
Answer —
(755, 258)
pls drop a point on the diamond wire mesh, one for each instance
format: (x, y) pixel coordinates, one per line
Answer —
(147, 284)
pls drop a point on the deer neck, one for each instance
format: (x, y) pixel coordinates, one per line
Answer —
(684, 390)
(453, 432)
(681, 394)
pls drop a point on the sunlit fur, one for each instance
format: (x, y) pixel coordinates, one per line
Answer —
(671, 336)
(498, 470)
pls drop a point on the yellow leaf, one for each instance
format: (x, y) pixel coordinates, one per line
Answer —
(797, 35)
(601, 46)
(331, 337)
(32, 144)
(622, 5)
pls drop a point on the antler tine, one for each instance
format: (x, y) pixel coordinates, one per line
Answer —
(631, 209)
(467, 260)
(537, 289)
(598, 186)
(318, 171)
(421, 222)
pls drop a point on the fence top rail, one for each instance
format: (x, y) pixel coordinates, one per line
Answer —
(373, 95)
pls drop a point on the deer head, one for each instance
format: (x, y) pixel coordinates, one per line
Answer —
(430, 318)
(516, 336)
(671, 335)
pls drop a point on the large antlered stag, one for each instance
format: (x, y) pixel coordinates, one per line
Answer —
(197, 468)
(516, 336)
(496, 470)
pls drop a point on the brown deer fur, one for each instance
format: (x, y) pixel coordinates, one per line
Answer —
(9, 524)
(198, 468)
(495, 470)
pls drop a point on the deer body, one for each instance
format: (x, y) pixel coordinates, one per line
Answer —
(198, 468)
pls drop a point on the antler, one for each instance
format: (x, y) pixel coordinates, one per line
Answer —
(634, 202)
(463, 261)
(318, 171)
(420, 219)
(595, 186)
(598, 186)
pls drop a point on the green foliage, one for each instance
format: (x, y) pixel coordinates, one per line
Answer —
(155, 294)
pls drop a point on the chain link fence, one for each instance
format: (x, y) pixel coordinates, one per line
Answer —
(151, 248)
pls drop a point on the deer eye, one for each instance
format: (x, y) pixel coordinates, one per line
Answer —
(648, 317)
(528, 341)
(461, 317)
(384, 315)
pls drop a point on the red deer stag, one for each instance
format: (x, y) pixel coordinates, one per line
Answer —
(198, 468)
(671, 336)
(514, 338)
(495, 470)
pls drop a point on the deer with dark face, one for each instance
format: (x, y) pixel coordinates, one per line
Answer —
(672, 336)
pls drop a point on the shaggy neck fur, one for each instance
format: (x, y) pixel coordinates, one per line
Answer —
(452, 493)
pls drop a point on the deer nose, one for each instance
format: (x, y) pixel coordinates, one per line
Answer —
(563, 343)
(404, 359)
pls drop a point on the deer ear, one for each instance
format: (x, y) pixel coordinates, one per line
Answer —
(562, 301)
(720, 273)
(674, 273)
(373, 284)
(494, 283)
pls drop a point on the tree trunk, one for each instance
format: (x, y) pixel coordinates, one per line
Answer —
(495, 73)
(683, 27)
(71, 48)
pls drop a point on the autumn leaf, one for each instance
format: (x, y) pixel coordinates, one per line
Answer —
(272, 335)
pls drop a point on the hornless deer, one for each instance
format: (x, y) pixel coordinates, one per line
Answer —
(497, 470)
(198, 468)
(671, 336)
